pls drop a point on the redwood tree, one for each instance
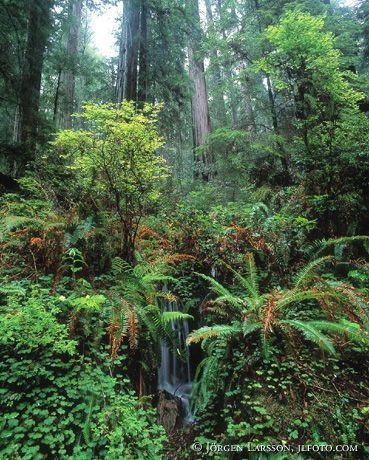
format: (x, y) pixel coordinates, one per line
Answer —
(199, 101)
(65, 91)
(27, 117)
(132, 58)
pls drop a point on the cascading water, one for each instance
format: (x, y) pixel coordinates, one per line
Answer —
(174, 374)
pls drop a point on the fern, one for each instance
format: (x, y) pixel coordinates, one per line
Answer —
(216, 286)
(206, 380)
(248, 327)
(251, 284)
(294, 296)
(252, 272)
(345, 327)
(168, 316)
(231, 300)
(120, 267)
(305, 275)
(311, 332)
(320, 245)
(156, 278)
(204, 385)
(14, 290)
(218, 331)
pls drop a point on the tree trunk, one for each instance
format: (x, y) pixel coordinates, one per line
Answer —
(199, 101)
(66, 89)
(216, 72)
(27, 118)
(142, 64)
(127, 77)
(283, 157)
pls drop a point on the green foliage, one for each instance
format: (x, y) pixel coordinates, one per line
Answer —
(132, 430)
(97, 242)
(330, 134)
(305, 55)
(275, 316)
(72, 409)
(115, 163)
(136, 308)
(29, 320)
(55, 400)
(31, 231)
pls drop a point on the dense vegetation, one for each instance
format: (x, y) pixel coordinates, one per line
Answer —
(220, 163)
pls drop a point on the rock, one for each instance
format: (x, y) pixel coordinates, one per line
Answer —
(170, 411)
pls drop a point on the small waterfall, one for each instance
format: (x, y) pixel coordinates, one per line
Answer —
(174, 374)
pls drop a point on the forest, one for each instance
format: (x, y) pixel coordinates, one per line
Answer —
(184, 245)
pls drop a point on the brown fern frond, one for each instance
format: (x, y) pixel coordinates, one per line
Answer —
(115, 337)
(132, 328)
(256, 241)
(169, 296)
(150, 297)
(207, 306)
(269, 312)
(145, 231)
(178, 258)
(39, 242)
(329, 307)
(357, 305)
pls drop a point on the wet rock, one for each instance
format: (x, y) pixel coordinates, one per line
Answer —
(170, 411)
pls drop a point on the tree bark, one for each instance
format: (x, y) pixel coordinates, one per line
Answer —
(127, 77)
(65, 96)
(27, 117)
(199, 100)
(142, 64)
(217, 74)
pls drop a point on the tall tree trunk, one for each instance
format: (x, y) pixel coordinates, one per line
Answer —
(142, 64)
(216, 73)
(66, 88)
(127, 77)
(199, 101)
(27, 118)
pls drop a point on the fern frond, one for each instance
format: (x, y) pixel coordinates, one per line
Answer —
(231, 300)
(219, 309)
(167, 295)
(216, 286)
(13, 289)
(269, 311)
(173, 258)
(319, 246)
(149, 316)
(205, 382)
(354, 303)
(304, 276)
(150, 278)
(292, 296)
(217, 331)
(251, 284)
(132, 329)
(310, 331)
(248, 327)
(120, 267)
(168, 316)
(345, 327)
(252, 271)
(13, 222)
